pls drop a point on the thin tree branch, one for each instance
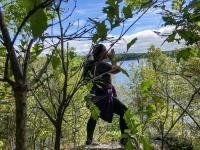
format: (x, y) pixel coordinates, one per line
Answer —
(65, 71)
(42, 70)
(184, 111)
(42, 5)
(51, 95)
(16, 67)
(26, 60)
(44, 110)
(70, 14)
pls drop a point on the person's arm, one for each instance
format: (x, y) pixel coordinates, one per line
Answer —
(115, 67)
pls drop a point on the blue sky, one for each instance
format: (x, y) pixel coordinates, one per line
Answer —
(143, 29)
(93, 9)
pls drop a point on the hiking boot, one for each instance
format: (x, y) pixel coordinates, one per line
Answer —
(91, 142)
(123, 141)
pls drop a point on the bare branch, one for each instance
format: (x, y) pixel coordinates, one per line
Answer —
(184, 111)
(26, 60)
(70, 14)
(42, 70)
(50, 93)
(44, 110)
(65, 71)
(16, 67)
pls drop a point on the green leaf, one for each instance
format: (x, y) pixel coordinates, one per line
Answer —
(89, 86)
(95, 38)
(197, 23)
(145, 143)
(150, 109)
(2, 51)
(55, 61)
(101, 31)
(88, 98)
(146, 86)
(129, 145)
(2, 94)
(99, 85)
(194, 4)
(112, 12)
(175, 4)
(124, 72)
(127, 12)
(28, 4)
(38, 22)
(36, 50)
(95, 112)
(72, 55)
(1, 144)
(171, 37)
(131, 122)
(131, 43)
(127, 117)
(185, 54)
(169, 20)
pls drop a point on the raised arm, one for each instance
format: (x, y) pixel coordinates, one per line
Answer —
(115, 67)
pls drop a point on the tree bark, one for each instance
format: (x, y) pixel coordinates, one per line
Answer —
(21, 115)
(58, 135)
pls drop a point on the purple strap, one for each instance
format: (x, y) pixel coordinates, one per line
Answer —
(106, 105)
(110, 95)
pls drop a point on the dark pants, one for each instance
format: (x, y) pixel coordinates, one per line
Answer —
(118, 108)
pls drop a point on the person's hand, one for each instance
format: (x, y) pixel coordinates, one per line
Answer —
(111, 54)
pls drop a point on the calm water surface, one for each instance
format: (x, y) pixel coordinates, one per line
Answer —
(120, 78)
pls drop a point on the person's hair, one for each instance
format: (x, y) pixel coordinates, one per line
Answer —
(96, 53)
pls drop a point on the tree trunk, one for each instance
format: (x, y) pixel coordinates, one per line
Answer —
(21, 112)
(162, 136)
(58, 135)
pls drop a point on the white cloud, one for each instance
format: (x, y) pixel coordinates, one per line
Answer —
(167, 29)
(82, 47)
(146, 38)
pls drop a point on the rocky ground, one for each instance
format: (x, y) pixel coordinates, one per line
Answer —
(102, 146)
(170, 143)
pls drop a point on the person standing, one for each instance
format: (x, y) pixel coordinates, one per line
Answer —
(99, 71)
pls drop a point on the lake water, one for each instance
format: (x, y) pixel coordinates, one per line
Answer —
(122, 79)
(123, 83)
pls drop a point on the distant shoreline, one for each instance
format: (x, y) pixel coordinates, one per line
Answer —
(136, 56)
